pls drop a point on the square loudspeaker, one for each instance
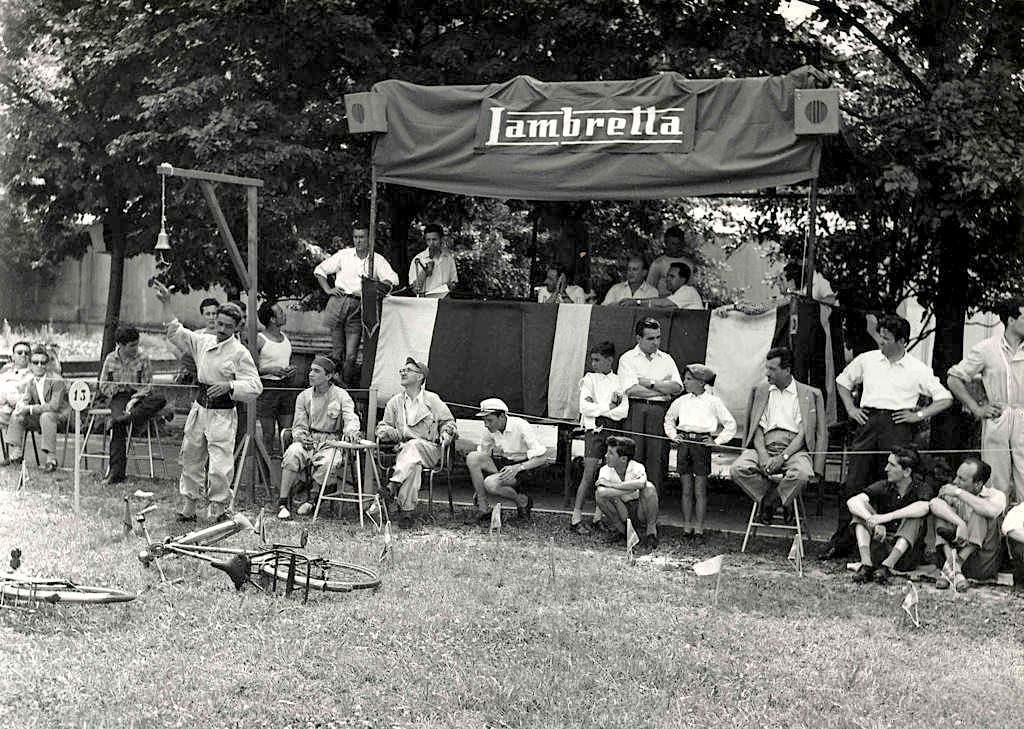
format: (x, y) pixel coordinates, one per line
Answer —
(366, 112)
(816, 111)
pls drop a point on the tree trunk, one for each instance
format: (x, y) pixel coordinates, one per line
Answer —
(952, 429)
(117, 245)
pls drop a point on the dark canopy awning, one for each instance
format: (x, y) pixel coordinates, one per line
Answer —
(663, 136)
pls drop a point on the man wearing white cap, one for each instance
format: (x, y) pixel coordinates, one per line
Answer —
(421, 425)
(510, 448)
(323, 412)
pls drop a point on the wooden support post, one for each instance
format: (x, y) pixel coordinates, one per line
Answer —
(225, 233)
(812, 238)
(371, 428)
(252, 234)
(373, 217)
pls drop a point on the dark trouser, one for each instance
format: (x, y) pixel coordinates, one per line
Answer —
(648, 416)
(343, 318)
(144, 409)
(880, 433)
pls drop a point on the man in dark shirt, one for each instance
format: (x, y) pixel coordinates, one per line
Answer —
(888, 518)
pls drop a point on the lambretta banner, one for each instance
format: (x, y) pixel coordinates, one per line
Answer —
(649, 126)
(663, 136)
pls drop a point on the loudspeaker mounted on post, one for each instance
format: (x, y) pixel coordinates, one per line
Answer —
(816, 111)
(366, 112)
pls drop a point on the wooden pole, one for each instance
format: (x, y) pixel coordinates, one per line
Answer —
(252, 211)
(373, 218)
(225, 233)
(812, 237)
(371, 427)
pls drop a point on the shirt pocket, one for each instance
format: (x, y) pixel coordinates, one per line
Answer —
(227, 370)
(333, 411)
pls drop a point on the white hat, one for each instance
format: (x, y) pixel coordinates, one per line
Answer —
(492, 405)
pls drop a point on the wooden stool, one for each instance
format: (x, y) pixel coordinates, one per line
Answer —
(86, 454)
(800, 527)
(24, 455)
(352, 452)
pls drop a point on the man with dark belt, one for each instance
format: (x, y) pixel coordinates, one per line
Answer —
(650, 379)
(892, 381)
(343, 315)
(226, 373)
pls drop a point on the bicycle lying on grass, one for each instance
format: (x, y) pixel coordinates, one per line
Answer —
(21, 592)
(265, 567)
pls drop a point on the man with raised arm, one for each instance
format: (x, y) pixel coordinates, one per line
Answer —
(226, 374)
(999, 362)
(324, 413)
(343, 315)
(421, 426)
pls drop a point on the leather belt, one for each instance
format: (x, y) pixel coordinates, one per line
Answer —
(224, 402)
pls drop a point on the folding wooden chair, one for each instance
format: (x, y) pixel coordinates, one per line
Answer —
(24, 454)
(444, 466)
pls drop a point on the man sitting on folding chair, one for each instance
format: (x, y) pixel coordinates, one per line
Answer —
(43, 407)
(422, 426)
(323, 412)
(889, 518)
(785, 423)
(126, 380)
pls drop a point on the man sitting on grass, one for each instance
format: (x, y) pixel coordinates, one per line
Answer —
(323, 412)
(889, 519)
(967, 515)
(1013, 530)
(421, 425)
(508, 452)
(43, 407)
(621, 482)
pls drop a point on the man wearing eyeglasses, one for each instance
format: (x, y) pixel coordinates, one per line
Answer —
(12, 376)
(421, 426)
(42, 407)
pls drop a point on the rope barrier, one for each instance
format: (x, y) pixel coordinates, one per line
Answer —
(562, 422)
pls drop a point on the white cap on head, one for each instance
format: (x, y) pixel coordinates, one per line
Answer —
(492, 405)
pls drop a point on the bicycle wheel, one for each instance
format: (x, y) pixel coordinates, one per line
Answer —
(327, 575)
(59, 591)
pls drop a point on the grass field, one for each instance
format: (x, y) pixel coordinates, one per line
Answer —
(456, 638)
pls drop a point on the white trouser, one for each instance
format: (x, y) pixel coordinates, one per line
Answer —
(209, 435)
(1002, 447)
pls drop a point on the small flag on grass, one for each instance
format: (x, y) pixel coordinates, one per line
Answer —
(631, 539)
(385, 552)
(496, 518)
(796, 551)
(910, 605)
(709, 566)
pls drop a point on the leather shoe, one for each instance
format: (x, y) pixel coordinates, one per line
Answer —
(405, 521)
(766, 514)
(523, 512)
(864, 573)
(882, 575)
(829, 554)
(477, 518)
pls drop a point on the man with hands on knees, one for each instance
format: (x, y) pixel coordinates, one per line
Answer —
(502, 464)
(891, 513)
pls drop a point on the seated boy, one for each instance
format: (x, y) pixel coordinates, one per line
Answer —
(692, 421)
(889, 519)
(620, 482)
(967, 516)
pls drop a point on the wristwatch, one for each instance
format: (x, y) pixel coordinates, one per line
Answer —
(920, 414)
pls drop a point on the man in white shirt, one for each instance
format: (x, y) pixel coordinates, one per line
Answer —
(681, 295)
(967, 518)
(556, 290)
(343, 314)
(12, 376)
(1013, 529)
(432, 272)
(787, 436)
(999, 362)
(675, 249)
(891, 383)
(509, 450)
(603, 404)
(695, 420)
(627, 293)
(650, 378)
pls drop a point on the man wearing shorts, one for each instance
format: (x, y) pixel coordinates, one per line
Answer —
(602, 404)
(509, 450)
